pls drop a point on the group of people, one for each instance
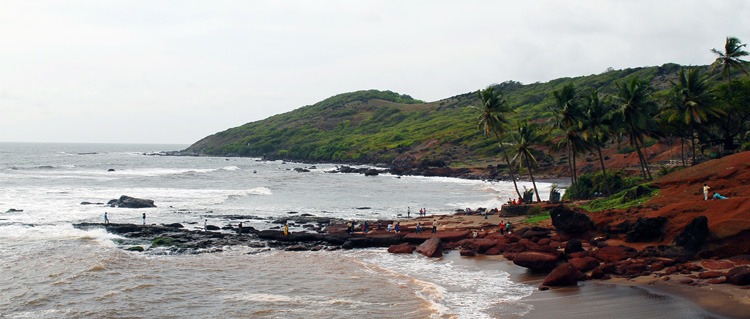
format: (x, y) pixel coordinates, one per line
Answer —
(513, 201)
(504, 226)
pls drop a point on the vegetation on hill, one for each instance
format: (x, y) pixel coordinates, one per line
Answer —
(703, 108)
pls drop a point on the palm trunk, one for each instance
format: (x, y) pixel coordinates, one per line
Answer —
(533, 182)
(575, 170)
(601, 158)
(682, 150)
(510, 170)
(570, 163)
(644, 162)
(692, 140)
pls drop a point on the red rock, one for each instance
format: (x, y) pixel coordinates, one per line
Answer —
(686, 281)
(710, 274)
(579, 254)
(494, 251)
(468, 252)
(739, 276)
(597, 273)
(717, 264)
(584, 264)
(478, 245)
(665, 278)
(656, 266)
(544, 241)
(717, 281)
(404, 248)
(615, 253)
(535, 260)
(563, 275)
(431, 248)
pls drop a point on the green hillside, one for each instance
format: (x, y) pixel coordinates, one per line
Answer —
(380, 126)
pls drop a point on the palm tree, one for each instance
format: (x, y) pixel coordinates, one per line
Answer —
(492, 122)
(731, 58)
(566, 117)
(596, 122)
(636, 108)
(692, 102)
(526, 137)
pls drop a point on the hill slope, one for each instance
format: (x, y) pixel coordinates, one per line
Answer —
(383, 126)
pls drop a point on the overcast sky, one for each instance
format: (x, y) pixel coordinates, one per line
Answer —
(177, 71)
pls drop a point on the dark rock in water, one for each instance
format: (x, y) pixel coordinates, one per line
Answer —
(111, 170)
(569, 223)
(371, 241)
(301, 170)
(646, 229)
(694, 235)
(13, 210)
(135, 248)
(372, 172)
(432, 247)
(739, 276)
(174, 225)
(131, 202)
(563, 275)
(90, 203)
(212, 227)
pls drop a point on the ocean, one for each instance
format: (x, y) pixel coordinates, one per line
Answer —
(49, 269)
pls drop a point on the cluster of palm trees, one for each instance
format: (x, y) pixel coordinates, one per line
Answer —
(588, 121)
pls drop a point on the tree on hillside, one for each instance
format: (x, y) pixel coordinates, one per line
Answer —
(596, 123)
(492, 122)
(526, 137)
(566, 117)
(636, 109)
(692, 103)
(731, 58)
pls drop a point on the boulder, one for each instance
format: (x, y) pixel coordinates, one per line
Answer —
(468, 252)
(432, 247)
(739, 276)
(535, 260)
(131, 202)
(573, 246)
(570, 224)
(536, 231)
(584, 264)
(404, 248)
(694, 235)
(646, 229)
(563, 275)
(615, 253)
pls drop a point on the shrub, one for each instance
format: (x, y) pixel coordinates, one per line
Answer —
(595, 185)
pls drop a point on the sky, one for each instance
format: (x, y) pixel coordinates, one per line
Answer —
(173, 72)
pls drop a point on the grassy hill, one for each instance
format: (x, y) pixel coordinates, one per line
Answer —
(382, 126)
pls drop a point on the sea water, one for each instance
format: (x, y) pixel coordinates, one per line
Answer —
(49, 269)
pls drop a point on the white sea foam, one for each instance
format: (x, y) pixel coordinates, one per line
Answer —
(451, 289)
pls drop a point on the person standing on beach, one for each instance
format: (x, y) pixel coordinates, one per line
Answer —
(705, 191)
(434, 226)
(364, 228)
(144, 219)
(408, 212)
(239, 228)
(106, 220)
(286, 229)
(502, 228)
(205, 224)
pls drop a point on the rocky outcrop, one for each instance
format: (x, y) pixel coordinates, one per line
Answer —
(694, 235)
(646, 229)
(570, 224)
(615, 253)
(131, 202)
(431, 248)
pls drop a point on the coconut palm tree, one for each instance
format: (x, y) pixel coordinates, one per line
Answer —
(636, 109)
(526, 137)
(730, 58)
(692, 102)
(596, 122)
(566, 117)
(492, 122)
